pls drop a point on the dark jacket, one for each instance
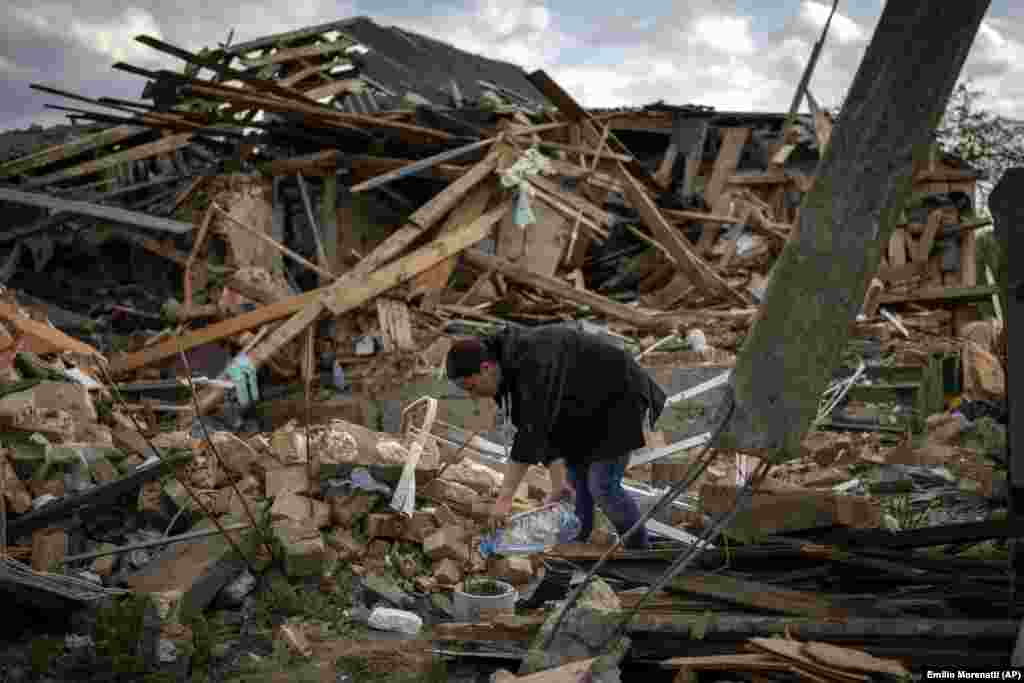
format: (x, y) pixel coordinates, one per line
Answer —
(572, 395)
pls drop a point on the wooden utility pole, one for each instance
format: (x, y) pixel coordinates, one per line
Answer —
(818, 283)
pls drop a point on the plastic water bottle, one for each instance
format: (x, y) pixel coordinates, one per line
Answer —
(531, 532)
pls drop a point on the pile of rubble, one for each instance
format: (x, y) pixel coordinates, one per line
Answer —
(301, 220)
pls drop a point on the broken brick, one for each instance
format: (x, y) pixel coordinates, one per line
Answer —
(408, 567)
(345, 509)
(515, 569)
(17, 494)
(385, 525)
(419, 526)
(378, 550)
(448, 572)
(442, 489)
(346, 544)
(448, 543)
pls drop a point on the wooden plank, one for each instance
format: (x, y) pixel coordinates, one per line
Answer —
(423, 219)
(969, 259)
(316, 111)
(687, 260)
(51, 339)
(138, 153)
(416, 167)
(364, 167)
(325, 160)
(584, 150)
(663, 176)
(50, 155)
(109, 213)
(350, 287)
(524, 276)
(344, 297)
(575, 201)
(898, 247)
(759, 595)
(951, 295)
(733, 140)
(751, 662)
(471, 208)
(924, 245)
(546, 240)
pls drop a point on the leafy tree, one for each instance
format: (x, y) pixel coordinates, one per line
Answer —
(987, 141)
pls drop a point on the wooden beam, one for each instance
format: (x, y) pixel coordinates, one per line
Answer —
(663, 176)
(689, 263)
(109, 213)
(760, 596)
(416, 167)
(951, 295)
(577, 202)
(341, 294)
(550, 285)
(368, 167)
(733, 140)
(110, 160)
(471, 208)
(586, 151)
(303, 74)
(50, 339)
(924, 245)
(423, 219)
(325, 160)
(56, 153)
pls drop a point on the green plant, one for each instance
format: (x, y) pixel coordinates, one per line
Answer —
(118, 629)
(902, 511)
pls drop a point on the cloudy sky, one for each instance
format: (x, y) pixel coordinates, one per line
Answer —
(731, 54)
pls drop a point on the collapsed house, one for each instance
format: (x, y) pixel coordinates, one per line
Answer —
(322, 210)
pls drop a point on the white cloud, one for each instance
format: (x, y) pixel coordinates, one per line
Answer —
(844, 29)
(725, 34)
(115, 37)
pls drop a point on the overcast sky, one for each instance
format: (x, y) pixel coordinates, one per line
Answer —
(730, 54)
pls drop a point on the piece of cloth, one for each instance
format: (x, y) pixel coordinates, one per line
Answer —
(600, 483)
(572, 395)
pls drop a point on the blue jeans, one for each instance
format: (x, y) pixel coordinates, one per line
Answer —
(601, 482)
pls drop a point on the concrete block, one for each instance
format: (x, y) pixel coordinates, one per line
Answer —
(448, 543)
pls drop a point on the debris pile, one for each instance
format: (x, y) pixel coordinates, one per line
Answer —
(224, 279)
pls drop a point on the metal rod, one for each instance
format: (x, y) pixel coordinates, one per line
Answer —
(188, 487)
(191, 535)
(213, 447)
(275, 244)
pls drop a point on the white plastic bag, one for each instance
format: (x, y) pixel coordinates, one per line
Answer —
(398, 620)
